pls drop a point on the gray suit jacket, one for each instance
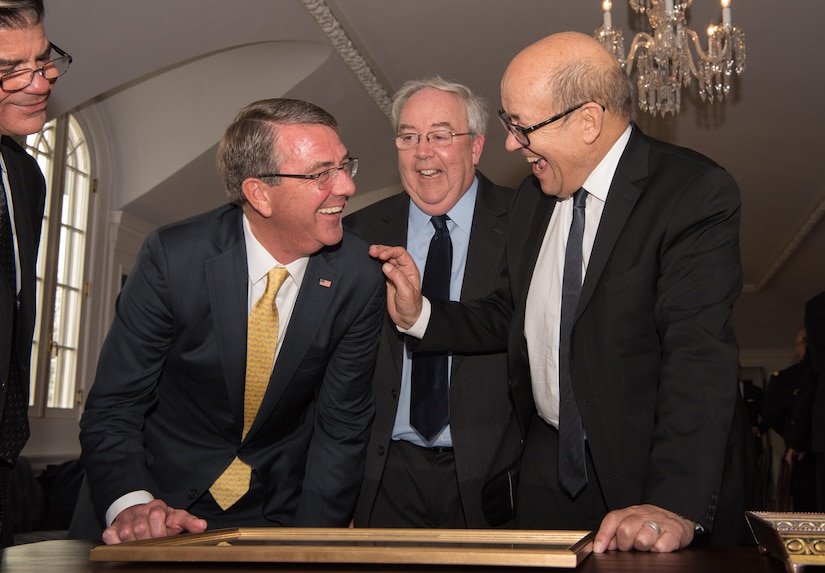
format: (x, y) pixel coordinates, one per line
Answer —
(166, 411)
(479, 403)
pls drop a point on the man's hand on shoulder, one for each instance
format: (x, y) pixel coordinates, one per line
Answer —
(643, 528)
(151, 520)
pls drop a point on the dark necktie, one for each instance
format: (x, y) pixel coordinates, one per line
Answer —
(6, 240)
(430, 397)
(14, 424)
(572, 470)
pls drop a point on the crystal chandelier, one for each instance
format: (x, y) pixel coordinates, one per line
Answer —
(671, 54)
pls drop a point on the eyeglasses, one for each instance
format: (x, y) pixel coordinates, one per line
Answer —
(440, 138)
(325, 178)
(19, 80)
(520, 133)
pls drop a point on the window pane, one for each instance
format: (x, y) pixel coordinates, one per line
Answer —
(64, 273)
(41, 147)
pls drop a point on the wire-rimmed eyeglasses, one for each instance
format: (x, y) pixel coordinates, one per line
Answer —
(521, 133)
(325, 178)
(19, 80)
(438, 138)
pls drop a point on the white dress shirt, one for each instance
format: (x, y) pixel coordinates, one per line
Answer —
(543, 312)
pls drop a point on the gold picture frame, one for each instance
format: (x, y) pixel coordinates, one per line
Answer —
(494, 547)
(797, 538)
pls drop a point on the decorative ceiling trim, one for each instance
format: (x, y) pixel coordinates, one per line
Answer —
(790, 248)
(343, 45)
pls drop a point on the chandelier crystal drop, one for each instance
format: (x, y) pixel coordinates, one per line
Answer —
(669, 56)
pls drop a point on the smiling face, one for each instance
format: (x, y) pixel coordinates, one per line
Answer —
(555, 152)
(437, 177)
(295, 218)
(565, 72)
(24, 112)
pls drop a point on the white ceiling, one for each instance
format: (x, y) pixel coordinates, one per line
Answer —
(165, 77)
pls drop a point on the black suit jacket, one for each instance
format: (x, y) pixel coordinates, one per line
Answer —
(480, 406)
(654, 359)
(166, 411)
(807, 426)
(28, 191)
(780, 397)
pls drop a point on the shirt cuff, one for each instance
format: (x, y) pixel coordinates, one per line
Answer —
(418, 329)
(126, 501)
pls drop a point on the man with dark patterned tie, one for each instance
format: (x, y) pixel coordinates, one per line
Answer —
(430, 472)
(630, 422)
(29, 67)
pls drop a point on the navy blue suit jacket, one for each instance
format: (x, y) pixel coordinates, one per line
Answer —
(166, 411)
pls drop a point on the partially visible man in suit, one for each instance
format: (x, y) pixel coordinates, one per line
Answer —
(412, 480)
(806, 435)
(29, 66)
(626, 396)
(188, 424)
(780, 403)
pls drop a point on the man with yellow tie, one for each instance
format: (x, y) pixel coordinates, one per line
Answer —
(234, 387)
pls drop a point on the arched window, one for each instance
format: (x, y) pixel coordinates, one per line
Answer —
(63, 155)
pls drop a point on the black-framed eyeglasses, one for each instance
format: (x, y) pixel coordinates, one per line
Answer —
(438, 138)
(325, 178)
(19, 80)
(520, 133)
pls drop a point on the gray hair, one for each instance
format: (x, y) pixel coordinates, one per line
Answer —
(474, 105)
(249, 148)
(19, 14)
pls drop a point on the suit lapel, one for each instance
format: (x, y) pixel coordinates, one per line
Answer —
(486, 246)
(227, 285)
(395, 224)
(321, 279)
(23, 183)
(622, 198)
(535, 237)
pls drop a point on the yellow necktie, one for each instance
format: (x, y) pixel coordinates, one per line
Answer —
(261, 341)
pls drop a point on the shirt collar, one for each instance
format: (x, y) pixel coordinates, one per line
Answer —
(259, 261)
(461, 214)
(598, 182)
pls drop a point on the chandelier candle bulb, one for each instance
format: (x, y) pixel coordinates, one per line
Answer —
(711, 32)
(606, 6)
(669, 6)
(726, 13)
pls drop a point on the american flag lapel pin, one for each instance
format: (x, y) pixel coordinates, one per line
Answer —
(325, 283)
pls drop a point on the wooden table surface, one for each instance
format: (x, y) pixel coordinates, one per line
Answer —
(68, 556)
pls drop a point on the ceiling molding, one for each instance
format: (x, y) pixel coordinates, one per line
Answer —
(790, 248)
(330, 25)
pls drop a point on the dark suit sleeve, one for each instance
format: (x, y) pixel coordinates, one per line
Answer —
(125, 388)
(335, 461)
(480, 326)
(699, 278)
